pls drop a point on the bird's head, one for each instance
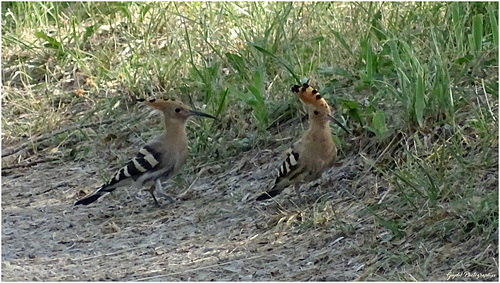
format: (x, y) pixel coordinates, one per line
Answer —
(174, 110)
(318, 107)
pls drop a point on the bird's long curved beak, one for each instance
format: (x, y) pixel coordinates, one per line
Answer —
(331, 118)
(201, 114)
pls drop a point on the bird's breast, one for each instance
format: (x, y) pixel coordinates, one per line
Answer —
(319, 152)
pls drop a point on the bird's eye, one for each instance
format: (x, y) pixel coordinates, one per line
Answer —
(316, 112)
(177, 110)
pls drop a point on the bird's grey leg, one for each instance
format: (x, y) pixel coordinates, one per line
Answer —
(151, 191)
(296, 187)
(160, 190)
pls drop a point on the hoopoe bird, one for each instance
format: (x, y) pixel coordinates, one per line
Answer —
(314, 153)
(159, 159)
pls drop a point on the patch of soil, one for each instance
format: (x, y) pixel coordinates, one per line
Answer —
(214, 232)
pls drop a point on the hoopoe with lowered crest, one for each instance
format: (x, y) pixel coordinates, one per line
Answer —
(159, 159)
(314, 153)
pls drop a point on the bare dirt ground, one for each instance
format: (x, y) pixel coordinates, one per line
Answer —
(212, 233)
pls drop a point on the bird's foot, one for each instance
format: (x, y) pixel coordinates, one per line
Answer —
(166, 204)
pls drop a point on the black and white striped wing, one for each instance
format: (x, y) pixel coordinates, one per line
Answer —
(288, 167)
(287, 172)
(146, 162)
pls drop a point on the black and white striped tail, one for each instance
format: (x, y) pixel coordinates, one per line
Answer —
(146, 161)
(285, 175)
(88, 199)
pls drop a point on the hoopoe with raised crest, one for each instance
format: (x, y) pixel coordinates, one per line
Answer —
(314, 153)
(159, 159)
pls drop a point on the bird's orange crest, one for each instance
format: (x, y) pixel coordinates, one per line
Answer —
(155, 103)
(310, 96)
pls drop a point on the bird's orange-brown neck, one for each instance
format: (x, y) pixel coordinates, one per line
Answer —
(175, 128)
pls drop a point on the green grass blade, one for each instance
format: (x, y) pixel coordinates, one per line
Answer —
(52, 42)
(420, 99)
(368, 56)
(458, 28)
(477, 31)
(342, 41)
(334, 70)
(238, 63)
(493, 23)
(265, 52)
